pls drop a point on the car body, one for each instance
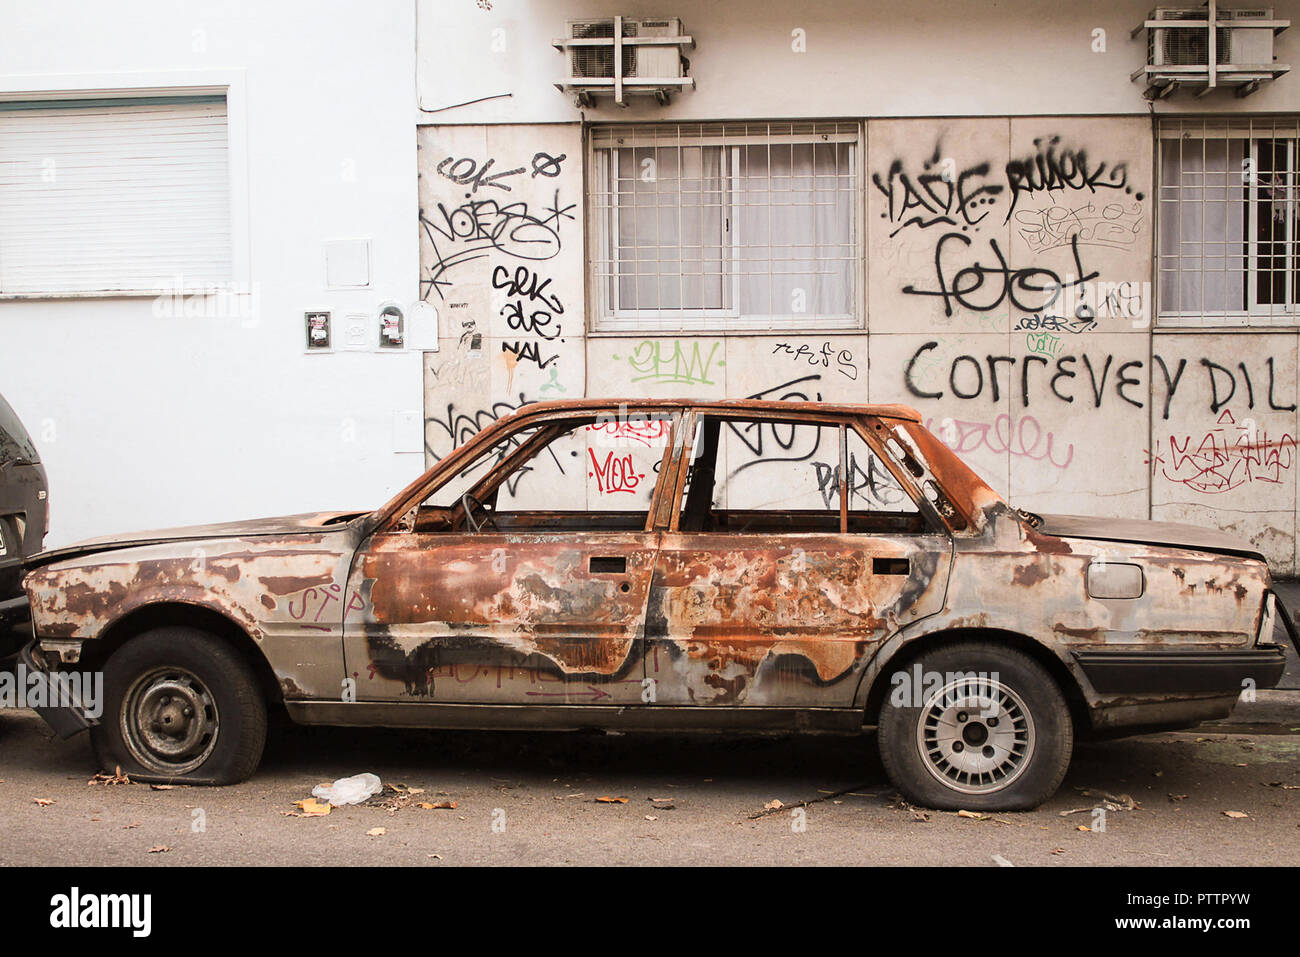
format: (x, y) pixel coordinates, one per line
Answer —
(670, 565)
(24, 521)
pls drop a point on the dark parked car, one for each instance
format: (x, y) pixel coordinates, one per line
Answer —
(670, 565)
(24, 520)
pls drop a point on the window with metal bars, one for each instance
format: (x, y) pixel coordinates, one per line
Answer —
(725, 226)
(1228, 220)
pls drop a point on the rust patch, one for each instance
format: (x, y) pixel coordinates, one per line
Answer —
(1030, 574)
(292, 584)
(1047, 544)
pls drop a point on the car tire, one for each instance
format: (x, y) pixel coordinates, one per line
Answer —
(974, 726)
(180, 706)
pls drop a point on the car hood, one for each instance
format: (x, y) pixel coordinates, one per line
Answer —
(1141, 532)
(251, 528)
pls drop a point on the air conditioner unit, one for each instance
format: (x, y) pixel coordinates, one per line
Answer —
(621, 55)
(1185, 46)
(1248, 45)
(1179, 42)
(638, 60)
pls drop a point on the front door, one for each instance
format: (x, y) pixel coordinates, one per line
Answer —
(523, 579)
(795, 553)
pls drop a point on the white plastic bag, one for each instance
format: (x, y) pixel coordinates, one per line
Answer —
(353, 790)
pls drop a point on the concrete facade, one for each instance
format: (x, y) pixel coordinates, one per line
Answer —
(1096, 420)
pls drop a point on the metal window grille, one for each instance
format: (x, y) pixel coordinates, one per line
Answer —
(1227, 223)
(725, 226)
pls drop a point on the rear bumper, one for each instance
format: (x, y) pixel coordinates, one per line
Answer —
(68, 716)
(1171, 672)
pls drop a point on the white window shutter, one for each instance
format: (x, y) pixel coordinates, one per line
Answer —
(128, 197)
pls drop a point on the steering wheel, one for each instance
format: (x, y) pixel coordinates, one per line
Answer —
(471, 505)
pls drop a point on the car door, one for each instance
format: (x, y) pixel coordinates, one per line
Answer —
(794, 553)
(531, 591)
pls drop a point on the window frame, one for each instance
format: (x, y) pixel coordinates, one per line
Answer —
(673, 502)
(1267, 316)
(230, 83)
(549, 427)
(606, 316)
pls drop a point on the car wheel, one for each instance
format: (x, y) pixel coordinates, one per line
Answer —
(975, 726)
(180, 706)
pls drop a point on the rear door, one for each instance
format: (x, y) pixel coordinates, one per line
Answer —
(793, 553)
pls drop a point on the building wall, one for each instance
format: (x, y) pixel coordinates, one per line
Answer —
(352, 127)
(145, 420)
(857, 58)
(1116, 419)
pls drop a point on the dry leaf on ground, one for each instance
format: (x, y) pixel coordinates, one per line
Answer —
(312, 807)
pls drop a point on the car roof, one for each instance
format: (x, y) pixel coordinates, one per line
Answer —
(756, 405)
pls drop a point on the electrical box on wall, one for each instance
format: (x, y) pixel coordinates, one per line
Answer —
(354, 333)
(624, 56)
(392, 327)
(347, 264)
(318, 332)
(422, 327)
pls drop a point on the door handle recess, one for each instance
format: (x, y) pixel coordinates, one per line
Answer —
(891, 566)
(607, 565)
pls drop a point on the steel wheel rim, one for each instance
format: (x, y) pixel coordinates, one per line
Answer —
(169, 720)
(975, 735)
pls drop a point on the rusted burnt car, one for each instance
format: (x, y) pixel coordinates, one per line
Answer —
(670, 565)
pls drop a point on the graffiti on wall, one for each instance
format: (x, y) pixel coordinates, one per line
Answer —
(1087, 377)
(1056, 198)
(494, 221)
(1222, 458)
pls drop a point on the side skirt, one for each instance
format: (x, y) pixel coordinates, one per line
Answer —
(410, 714)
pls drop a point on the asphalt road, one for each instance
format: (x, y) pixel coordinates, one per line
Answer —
(532, 799)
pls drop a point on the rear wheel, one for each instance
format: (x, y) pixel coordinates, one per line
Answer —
(978, 726)
(180, 705)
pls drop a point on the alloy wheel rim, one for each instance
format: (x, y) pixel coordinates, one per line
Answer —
(975, 735)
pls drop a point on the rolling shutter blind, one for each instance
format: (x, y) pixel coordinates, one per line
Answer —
(115, 196)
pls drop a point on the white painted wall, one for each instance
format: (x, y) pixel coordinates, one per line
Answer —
(145, 421)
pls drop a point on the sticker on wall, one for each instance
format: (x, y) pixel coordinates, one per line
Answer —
(318, 331)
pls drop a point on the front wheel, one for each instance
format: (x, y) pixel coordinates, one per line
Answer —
(181, 706)
(975, 726)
